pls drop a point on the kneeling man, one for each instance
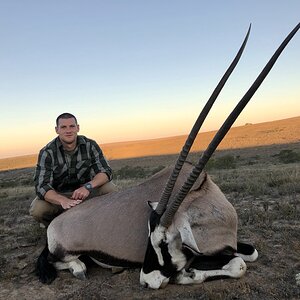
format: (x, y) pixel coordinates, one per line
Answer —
(70, 169)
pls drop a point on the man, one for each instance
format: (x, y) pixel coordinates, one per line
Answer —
(70, 169)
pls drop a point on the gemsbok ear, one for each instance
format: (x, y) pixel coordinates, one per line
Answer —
(199, 182)
(152, 205)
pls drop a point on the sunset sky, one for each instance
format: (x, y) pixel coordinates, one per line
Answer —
(139, 69)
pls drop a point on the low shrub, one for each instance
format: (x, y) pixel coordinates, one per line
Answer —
(288, 156)
(223, 162)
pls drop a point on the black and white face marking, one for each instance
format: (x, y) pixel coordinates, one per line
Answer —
(163, 258)
(156, 269)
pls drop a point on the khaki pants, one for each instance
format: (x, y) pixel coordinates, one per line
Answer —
(44, 212)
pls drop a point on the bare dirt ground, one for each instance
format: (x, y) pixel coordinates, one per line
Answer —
(263, 187)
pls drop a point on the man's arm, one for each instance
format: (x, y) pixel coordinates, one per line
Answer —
(82, 193)
(43, 183)
(43, 174)
(99, 162)
(100, 172)
(99, 180)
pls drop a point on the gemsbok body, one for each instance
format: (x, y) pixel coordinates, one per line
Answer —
(176, 226)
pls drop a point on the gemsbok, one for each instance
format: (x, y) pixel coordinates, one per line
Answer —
(177, 226)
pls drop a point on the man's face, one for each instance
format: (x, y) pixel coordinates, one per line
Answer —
(67, 130)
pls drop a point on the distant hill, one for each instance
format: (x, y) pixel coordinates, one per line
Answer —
(250, 135)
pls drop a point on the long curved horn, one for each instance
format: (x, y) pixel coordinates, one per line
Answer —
(161, 207)
(167, 217)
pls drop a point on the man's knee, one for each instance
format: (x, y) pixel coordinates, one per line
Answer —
(43, 211)
(106, 188)
(35, 209)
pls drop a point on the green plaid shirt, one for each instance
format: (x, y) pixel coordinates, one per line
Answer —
(64, 172)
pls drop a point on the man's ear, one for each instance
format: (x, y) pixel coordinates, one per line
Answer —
(56, 129)
(78, 127)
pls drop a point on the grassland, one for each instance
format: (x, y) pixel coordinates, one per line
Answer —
(263, 183)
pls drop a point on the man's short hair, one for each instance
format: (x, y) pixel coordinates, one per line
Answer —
(65, 116)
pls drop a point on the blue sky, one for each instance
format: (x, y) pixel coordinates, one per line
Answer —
(139, 69)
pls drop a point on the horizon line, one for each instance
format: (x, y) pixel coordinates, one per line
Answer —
(159, 138)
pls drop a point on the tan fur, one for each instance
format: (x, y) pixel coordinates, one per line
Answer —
(212, 217)
(116, 224)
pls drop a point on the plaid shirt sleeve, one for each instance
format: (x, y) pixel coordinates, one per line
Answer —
(43, 176)
(99, 163)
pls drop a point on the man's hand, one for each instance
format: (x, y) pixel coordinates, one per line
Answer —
(53, 197)
(80, 194)
(68, 203)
